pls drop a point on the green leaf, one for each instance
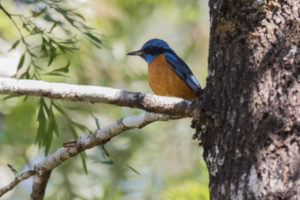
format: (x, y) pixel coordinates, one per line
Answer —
(96, 120)
(103, 152)
(36, 14)
(52, 121)
(52, 55)
(70, 20)
(48, 139)
(41, 105)
(41, 118)
(93, 37)
(83, 161)
(95, 40)
(80, 126)
(73, 40)
(25, 74)
(64, 69)
(44, 46)
(32, 54)
(44, 105)
(55, 74)
(36, 66)
(45, 133)
(55, 128)
(108, 162)
(14, 45)
(106, 159)
(72, 129)
(134, 170)
(21, 62)
(79, 15)
(53, 26)
(59, 109)
(25, 26)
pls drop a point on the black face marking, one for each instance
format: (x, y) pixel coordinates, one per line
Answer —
(155, 50)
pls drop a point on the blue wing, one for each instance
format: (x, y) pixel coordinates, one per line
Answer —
(182, 70)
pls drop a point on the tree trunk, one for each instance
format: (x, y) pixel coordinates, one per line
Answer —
(252, 138)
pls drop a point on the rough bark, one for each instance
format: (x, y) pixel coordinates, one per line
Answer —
(251, 142)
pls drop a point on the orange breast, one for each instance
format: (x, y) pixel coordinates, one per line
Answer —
(164, 81)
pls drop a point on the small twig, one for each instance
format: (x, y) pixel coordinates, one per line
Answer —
(12, 169)
(15, 24)
(21, 35)
(23, 176)
(6, 13)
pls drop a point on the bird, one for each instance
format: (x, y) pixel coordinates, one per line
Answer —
(168, 74)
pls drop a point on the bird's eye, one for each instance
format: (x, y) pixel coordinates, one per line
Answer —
(148, 49)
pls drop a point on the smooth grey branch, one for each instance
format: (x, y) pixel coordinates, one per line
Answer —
(97, 94)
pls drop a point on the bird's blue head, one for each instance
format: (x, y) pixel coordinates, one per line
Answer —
(151, 49)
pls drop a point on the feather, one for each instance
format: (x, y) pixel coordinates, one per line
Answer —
(182, 70)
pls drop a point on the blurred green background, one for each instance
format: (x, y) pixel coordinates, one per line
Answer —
(161, 161)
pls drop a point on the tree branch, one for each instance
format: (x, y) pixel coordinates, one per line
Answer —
(97, 94)
(101, 136)
(18, 179)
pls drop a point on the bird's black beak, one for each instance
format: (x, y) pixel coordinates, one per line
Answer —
(136, 53)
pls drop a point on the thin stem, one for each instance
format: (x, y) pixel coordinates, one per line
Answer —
(20, 33)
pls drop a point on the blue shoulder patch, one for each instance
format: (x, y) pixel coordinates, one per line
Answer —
(182, 70)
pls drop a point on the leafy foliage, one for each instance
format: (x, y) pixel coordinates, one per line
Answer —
(42, 45)
(57, 44)
(41, 42)
(49, 47)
